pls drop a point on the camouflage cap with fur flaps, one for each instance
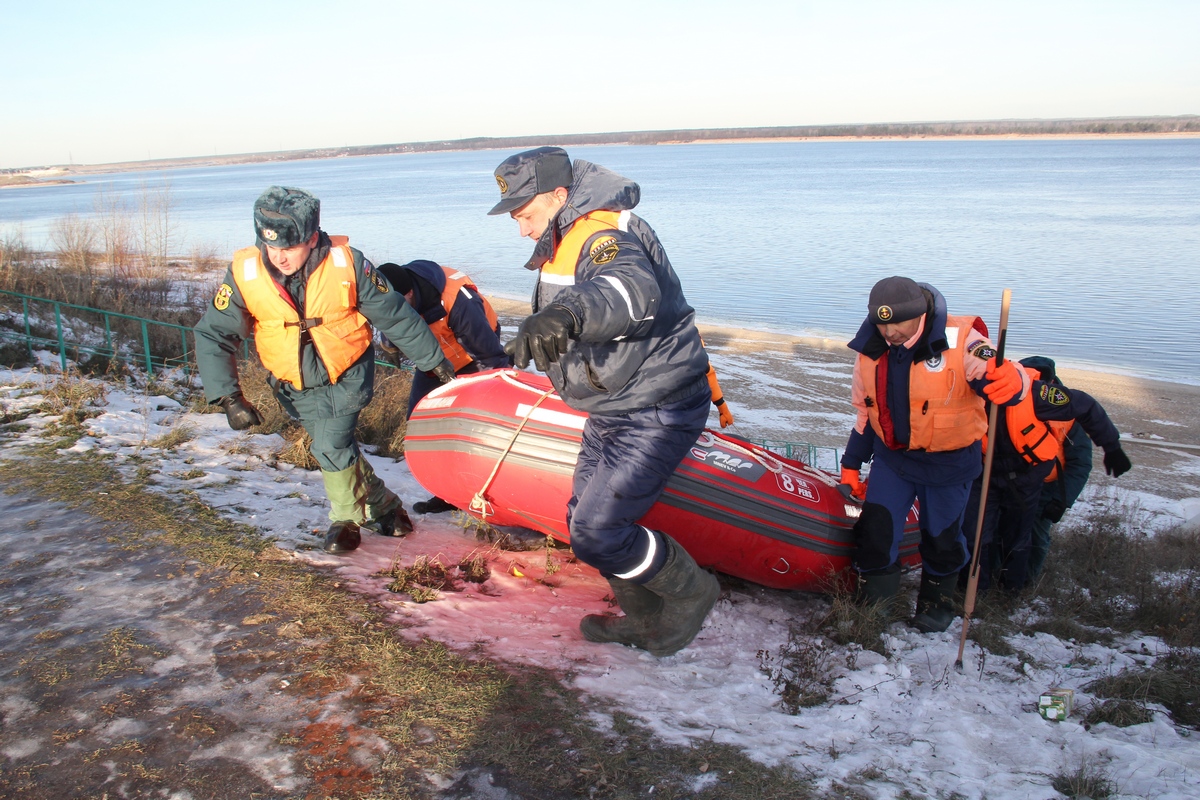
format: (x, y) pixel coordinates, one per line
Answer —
(285, 216)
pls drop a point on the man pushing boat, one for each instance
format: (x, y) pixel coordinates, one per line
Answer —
(614, 333)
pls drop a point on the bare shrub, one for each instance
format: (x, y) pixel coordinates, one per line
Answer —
(802, 672)
(74, 239)
(116, 234)
(15, 256)
(155, 229)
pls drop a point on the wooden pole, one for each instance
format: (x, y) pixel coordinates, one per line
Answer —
(973, 579)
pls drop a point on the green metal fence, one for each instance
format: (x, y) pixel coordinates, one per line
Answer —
(139, 342)
(152, 346)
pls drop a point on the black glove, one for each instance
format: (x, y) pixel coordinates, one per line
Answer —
(444, 371)
(1054, 510)
(543, 336)
(1116, 463)
(389, 352)
(241, 414)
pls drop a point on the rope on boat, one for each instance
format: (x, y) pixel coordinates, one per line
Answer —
(479, 503)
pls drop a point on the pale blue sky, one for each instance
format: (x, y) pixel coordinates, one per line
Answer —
(89, 82)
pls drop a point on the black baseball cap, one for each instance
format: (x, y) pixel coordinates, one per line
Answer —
(526, 175)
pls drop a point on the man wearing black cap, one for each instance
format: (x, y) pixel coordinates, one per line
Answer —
(919, 382)
(309, 300)
(463, 321)
(1031, 450)
(617, 338)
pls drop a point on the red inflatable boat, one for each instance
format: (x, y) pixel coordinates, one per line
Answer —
(502, 446)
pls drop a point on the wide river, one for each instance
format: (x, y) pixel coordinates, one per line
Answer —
(1098, 239)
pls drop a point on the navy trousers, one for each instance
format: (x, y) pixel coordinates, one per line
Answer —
(624, 464)
(1013, 505)
(880, 529)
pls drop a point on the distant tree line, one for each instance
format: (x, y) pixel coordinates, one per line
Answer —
(1189, 123)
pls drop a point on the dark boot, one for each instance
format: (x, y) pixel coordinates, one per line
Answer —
(881, 591)
(935, 603)
(342, 537)
(640, 606)
(392, 523)
(688, 594)
(434, 505)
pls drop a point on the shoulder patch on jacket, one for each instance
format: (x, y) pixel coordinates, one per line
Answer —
(221, 301)
(1054, 395)
(378, 282)
(604, 250)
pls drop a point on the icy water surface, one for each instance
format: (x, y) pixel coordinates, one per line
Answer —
(1099, 239)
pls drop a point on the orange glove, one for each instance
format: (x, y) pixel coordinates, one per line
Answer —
(1004, 381)
(725, 414)
(851, 478)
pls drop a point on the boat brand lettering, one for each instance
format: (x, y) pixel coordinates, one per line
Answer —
(794, 484)
(745, 468)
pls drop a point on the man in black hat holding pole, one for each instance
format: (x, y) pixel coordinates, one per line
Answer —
(612, 329)
(920, 380)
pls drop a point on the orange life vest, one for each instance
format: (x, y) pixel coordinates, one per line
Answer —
(451, 348)
(1037, 441)
(560, 269)
(339, 332)
(944, 411)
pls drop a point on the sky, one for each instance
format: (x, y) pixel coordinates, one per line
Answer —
(89, 83)
(930, 730)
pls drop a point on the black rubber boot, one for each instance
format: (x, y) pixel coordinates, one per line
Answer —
(881, 591)
(393, 523)
(688, 594)
(935, 603)
(640, 606)
(342, 537)
(434, 505)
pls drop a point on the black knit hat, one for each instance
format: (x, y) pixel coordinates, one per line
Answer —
(896, 299)
(397, 276)
(526, 175)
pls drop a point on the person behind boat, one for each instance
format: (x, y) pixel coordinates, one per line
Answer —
(1029, 453)
(612, 329)
(321, 360)
(919, 382)
(460, 317)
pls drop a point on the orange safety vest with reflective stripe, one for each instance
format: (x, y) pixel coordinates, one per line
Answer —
(1037, 441)
(451, 348)
(560, 271)
(339, 332)
(944, 411)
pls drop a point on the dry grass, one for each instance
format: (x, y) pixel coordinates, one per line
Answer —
(1088, 780)
(1106, 575)
(1173, 681)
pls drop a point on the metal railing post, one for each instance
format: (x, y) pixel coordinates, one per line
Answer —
(62, 345)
